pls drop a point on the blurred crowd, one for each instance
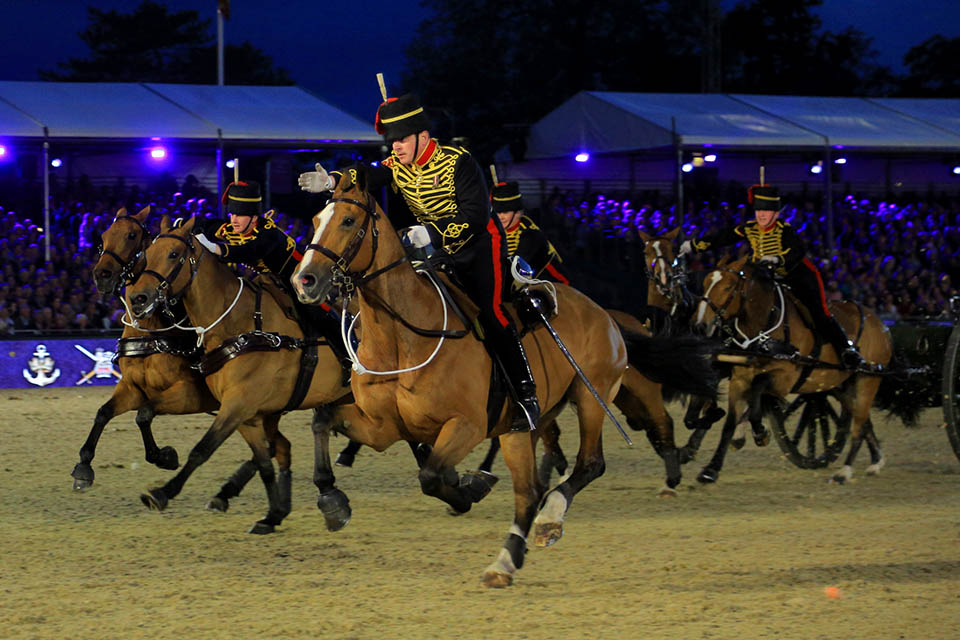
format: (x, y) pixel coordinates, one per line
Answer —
(59, 297)
(898, 258)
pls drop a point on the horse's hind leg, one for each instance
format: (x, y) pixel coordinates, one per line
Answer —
(348, 454)
(589, 466)
(126, 397)
(163, 458)
(857, 400)
(735, 394)
(553, 457)
(258, 434)
(233, 486)
(877, 459)
(518, 454)
(492, 452)
(641, 400)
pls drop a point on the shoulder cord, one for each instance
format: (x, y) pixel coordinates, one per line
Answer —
(763, 335)
(352, 354)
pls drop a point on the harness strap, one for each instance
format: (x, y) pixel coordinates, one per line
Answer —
(143, 346)
(214, 360)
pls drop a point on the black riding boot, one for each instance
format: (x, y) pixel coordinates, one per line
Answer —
(514, 360)
(850, 358)
(327, 325)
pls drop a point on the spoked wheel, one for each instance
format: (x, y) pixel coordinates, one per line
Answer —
(951, 389)
(812, 430)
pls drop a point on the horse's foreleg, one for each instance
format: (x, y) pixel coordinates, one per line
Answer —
(877, 459)
(163, 458)
(231, 415)
(332, 502)
(439, 477)
(125, 397)
(735, 394)
(518, 454)
(641, 401)
(349, 453)
(492, 452)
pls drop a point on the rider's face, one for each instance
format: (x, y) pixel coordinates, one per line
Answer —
(405, 147)
(509, 218)
(243, 224)
(765, 218)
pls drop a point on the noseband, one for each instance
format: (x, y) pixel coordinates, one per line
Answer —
(168, 301)
(127, 275)
(720, 312)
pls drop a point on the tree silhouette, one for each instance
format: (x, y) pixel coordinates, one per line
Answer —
(932, 68)
(151, 44)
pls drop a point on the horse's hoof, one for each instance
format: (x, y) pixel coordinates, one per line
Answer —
(548, 534)
(497, 580)
(262, 527)
(454, 512)
(838, 478)
(762, 439)
(218, 504)
(154, 499)
(475, 485)
(336, 509)
(737, 443)
(707, 476)
(344, 459)
(82, 476)
(667, 492)
(167, 459)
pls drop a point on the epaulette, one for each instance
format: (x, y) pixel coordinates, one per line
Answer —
(222, 231)
(528, 223)
(455, 150)
(387, 162)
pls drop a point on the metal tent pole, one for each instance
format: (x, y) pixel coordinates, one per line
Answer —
(46, 199)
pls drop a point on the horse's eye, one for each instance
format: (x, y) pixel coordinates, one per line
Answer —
(348, 222)
(174, 255)
(132, 235)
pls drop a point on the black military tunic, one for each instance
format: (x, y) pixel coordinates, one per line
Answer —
(267, 249)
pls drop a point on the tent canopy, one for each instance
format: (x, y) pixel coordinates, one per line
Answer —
(106, 110)
(612, 122)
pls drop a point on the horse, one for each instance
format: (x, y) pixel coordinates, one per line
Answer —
(739, 297)
(439, 395)
(252, 386)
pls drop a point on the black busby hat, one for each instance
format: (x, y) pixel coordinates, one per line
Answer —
(399, 117)
(243, 199)
(764, 197)
(506, 196)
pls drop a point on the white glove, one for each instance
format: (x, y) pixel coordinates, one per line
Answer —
(774, 260)
(417, 236)
(316, 181)
(686, 247)
(213, 247)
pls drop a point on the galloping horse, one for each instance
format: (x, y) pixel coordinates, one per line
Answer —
(252, 386)
(743, 299)
(439, 395)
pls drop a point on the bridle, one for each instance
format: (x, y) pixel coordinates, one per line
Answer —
(128, 265)
(166, 300)
(343, 279)
(720, 319)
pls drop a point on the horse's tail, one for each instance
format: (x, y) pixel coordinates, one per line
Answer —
(682, 364)
(902, 395)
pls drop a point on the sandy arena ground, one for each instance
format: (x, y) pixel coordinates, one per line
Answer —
(748, 558)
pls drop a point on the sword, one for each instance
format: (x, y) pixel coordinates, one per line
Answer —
(86, 353)
(566, 352)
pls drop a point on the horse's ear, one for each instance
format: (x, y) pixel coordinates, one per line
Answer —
(188, 225)
(142, 216)
(673, 234)
(646, 239)
(739, 264)
(122, 211)
(165, 224)
(362, 179)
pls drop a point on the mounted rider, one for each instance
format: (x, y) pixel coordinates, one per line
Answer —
(524, 238)
(444, 188)
(252, 238)
(775, 243)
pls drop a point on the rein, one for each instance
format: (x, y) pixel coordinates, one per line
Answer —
(722, 321)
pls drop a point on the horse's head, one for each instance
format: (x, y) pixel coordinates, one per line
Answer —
(723, 294)
(344, 244)
(660, 254)
(121, 253)
(164, 281)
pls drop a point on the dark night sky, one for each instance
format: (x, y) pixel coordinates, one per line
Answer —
(336, 48)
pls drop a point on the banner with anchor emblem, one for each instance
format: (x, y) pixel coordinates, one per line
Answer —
(57, 362)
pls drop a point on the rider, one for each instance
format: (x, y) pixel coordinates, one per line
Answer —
(444, 188)
(252, 238)
(524, 238)
(774, 242)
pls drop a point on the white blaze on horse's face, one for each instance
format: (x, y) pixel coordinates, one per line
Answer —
(712, 280)
(323, 219)
(658, 261)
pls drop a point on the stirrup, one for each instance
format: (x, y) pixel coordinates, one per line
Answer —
(523, 421)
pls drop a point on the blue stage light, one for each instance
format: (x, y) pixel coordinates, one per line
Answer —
(583, 156)
(687, 167)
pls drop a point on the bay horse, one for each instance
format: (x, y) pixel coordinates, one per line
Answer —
(155, 360)
(253, 388)
(439, 395)
(742, 298)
